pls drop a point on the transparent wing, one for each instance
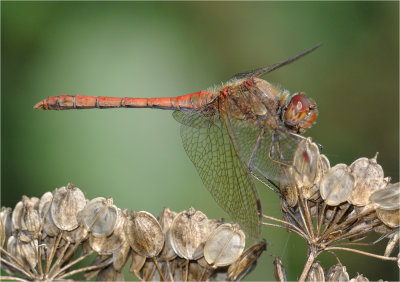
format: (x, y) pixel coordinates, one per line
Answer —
(209, 147)
(263, 148)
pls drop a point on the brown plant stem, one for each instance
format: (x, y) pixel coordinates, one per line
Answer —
(71, 264)
(25, 270)
(2, 278)
(286, 223)
(87, 268)
(361, 252)
(312, 255)
(15, 267)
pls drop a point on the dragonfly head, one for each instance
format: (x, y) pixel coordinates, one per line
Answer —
(300, 113)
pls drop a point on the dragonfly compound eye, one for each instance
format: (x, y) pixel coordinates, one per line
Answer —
(300, 112)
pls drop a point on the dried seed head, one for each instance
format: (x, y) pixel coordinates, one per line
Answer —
(17, 216)
(214, 223)
(137, 262)
(148, 270)
(246, 262)
(316, 273)
(359, 278)
(323, 167)
(120, 256)
(49, 227)
(200, 271)
(279, 271)
(23, 251)
(224, 245)
(188, 233)
(336, 185)
(393, 241)
(144, 234)
(165, 219)
(110, 274)
(389, 217)
(368, 178)
(99, 216)
(5, 226)
(387, 198)
(67, 203)
(289, 188)
(46, 198)
(337, 272)
(305, 164)
(32, 219)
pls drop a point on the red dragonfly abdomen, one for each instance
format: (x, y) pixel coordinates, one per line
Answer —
(66, 102)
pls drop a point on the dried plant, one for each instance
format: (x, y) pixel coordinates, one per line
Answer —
(330, 208)
(334, 208)
(46, 238)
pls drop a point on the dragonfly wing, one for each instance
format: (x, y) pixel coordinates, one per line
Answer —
(263, 149)
(209, 147)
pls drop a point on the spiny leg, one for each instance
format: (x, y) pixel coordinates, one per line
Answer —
(252, 167)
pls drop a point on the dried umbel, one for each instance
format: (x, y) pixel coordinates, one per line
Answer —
(224, 245)
(39, 242)
(327, 206)
(188, 233)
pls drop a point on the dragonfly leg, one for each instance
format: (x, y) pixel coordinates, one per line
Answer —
(276, 150)
(272, 186)
(256, 146)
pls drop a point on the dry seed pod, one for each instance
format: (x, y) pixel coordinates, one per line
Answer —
(305, 163)
(246, 262)
(188, 234)
(393, 241)
(110, 274)
(387, 198)
(198, 272)
(316, 273)
(165, 219)
(337, 272)
(99, 216)
(288, 189)
(108, 245)
(214, 223)
(323, 168)
(46, 197)
(369, 178)
(120, 256)
(17, 215)
(67, 203)
(201, 270)
(398, 260)
(359, 278)
(75, 236)
(279, 271)
(137, 262)
(336, 186)
(5, 226)
(49, 227)
(14, 249)
(148, 270)
(144, 234)
(24, 252)
(224, 245)
(389, 217)
(28, 251)
(30, 215)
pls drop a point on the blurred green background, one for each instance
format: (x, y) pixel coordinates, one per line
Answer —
(169, 49)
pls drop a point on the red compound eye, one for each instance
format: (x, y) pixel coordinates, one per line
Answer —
(300, 102)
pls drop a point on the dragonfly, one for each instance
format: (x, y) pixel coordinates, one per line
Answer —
(242, 130)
